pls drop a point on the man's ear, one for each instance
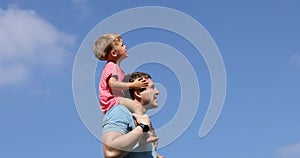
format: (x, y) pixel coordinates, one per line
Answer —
(137, 94)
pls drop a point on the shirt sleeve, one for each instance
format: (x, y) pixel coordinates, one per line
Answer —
(111, 71)
(116, 120)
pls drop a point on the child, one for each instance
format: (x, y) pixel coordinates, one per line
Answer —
(110, 47)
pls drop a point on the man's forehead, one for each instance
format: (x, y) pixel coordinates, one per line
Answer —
(148, 79)
(150, 82)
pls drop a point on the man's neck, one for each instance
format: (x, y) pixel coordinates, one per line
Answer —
(143, 109)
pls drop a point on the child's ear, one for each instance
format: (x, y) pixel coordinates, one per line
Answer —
(113, 53)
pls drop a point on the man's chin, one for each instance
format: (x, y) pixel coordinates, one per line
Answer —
(155, 106)
(152, 106)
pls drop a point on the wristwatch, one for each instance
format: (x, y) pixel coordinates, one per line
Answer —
(144, 127)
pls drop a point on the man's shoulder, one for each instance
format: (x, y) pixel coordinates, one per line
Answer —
(117, 119)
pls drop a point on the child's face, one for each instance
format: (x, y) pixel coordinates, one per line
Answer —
(121, 50)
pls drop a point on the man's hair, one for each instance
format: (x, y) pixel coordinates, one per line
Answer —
(104, 44)
(129, 93)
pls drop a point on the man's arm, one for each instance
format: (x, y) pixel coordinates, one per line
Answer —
(116, 145)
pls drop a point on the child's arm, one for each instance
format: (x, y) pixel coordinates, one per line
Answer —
(115, 84)
(131, 105)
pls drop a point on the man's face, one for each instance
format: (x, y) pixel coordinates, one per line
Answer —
(149, 95)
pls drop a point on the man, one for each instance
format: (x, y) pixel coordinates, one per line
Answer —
(124, 133)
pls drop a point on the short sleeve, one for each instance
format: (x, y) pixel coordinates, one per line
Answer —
(111, 70)
(116, 120)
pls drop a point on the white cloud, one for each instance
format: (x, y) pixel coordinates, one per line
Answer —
(289, 151)
(26, 42)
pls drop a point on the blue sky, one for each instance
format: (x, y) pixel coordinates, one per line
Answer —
(258, 42)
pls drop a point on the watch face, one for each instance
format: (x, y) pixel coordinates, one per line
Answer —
(144, 127)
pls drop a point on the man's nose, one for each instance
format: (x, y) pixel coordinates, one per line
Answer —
(156, 91)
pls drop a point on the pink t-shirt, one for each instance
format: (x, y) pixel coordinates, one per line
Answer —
(109, 97)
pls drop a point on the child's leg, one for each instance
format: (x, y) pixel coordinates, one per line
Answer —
(132, 106)
(153, 137)
(150, 137)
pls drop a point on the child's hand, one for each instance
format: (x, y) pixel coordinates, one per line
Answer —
(139, 83)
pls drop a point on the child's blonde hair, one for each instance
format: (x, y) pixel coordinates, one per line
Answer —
(105, 44)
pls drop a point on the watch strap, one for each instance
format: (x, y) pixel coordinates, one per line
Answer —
(144, 127)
